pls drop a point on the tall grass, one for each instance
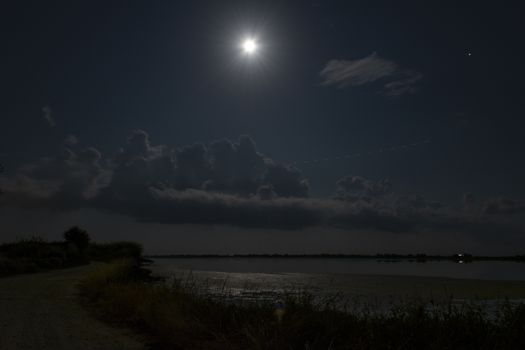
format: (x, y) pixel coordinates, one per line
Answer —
(114, 250)
(179, 317)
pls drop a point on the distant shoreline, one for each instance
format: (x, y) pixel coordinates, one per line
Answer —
(459, 258)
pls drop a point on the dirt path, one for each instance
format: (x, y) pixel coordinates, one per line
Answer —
(41, 311)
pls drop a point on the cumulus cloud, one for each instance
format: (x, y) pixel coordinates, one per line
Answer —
(69, 180)
(266, 192)
(223, 166)
(285, 180)
(236, 167)
(370, 69)
(139, 165)
(193, 167)
(230, 183)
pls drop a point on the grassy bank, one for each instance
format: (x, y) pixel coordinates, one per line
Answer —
(35, 254)
(179, 317)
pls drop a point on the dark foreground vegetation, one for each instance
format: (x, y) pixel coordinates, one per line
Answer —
(180, 317)
(35, 254)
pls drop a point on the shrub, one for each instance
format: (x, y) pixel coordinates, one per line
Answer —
(34, 247)
(78, 237)
(35, 254)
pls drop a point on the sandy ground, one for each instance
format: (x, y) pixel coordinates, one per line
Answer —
(42, 311)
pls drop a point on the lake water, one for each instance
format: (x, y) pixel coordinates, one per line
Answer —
(360, 281)
(483, 270)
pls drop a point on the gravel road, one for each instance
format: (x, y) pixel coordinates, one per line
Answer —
(42, 311)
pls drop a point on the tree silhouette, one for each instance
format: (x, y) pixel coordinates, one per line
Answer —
(78, 237)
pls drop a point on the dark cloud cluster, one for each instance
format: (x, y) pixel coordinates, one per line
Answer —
(492, 207)
(285, 180)
(223, 182)
(357, 188)
(66, 181)
(228, 183)
(416, 203)
(503, 206)
(235, 167)
(222, 166)
(193, 167)
(137, 166)
(171, 206)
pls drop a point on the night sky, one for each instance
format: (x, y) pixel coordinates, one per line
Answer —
(355, 127)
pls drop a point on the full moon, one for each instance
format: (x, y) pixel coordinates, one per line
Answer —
(249, 46)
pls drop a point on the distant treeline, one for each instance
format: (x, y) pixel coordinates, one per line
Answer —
(464, 258)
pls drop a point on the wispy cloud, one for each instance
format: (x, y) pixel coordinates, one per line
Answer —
(404, 85)
(369, 69)
(47, 115)
(365, 70)
(71, 140)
